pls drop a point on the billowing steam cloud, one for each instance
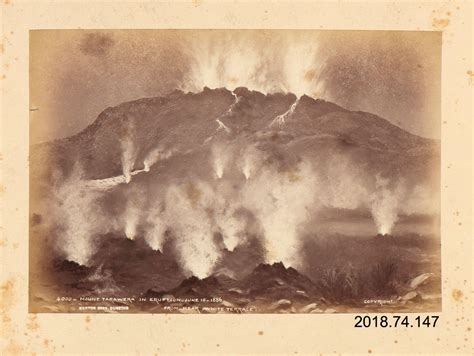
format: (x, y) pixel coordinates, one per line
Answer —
(206, 215)
(77, 212)
(281, 201)
(192, 227)
(240, 61)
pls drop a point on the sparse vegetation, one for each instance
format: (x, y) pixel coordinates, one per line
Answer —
(349, 270)
(345, 284)
(383, 278)
(339, 285)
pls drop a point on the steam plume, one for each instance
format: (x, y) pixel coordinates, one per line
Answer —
(154, 156)
(192, 227)
(385, 204)
(280, 201)
(220, 156)
(288, 64)
(77, 211)
(156, 227)
(129, 152)
(249, 161)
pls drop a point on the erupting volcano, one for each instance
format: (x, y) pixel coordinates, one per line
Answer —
(236, 181)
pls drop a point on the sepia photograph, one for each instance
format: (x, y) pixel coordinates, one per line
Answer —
(236, 178)
(234, 171)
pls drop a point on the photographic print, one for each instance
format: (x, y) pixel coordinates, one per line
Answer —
(234, 171)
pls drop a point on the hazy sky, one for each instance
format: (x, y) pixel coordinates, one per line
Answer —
(75, 74)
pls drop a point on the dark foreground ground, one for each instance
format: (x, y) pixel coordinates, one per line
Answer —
(341, 275)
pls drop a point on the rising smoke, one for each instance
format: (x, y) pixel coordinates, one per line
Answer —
(286, 64)
(78, 213)
(129, 151)
(282, 199)
(385, 204)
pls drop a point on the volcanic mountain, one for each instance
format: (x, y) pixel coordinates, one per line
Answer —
(186, 125)
(132, 153)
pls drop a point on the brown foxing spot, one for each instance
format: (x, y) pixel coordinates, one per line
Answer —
(470, 73)
(440, 24)
(126, 132)
(310, 75)
(96, 44)
(457, 294)
(233, 80)
(13, 349)
(6, 299)
(32, 324)
(193, 194)
(260, 333)
(293, 175)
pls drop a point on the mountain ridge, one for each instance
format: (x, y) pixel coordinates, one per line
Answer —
(182, 120)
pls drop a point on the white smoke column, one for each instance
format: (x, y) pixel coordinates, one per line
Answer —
(225, 61)
(132, 213)
(186, 215)
(78, 213)
(154, 156)
(385, 204)
(220, 158)
(155, 233)
(232, 226)
(281, 201)
(205, 67)
(249, 161)
(302, 69)
(289, 62)
(129, 152)
(247, 166)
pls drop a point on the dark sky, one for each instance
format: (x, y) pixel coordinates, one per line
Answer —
(75, 74)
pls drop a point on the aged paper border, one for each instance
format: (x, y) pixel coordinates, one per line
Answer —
(23, 333)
